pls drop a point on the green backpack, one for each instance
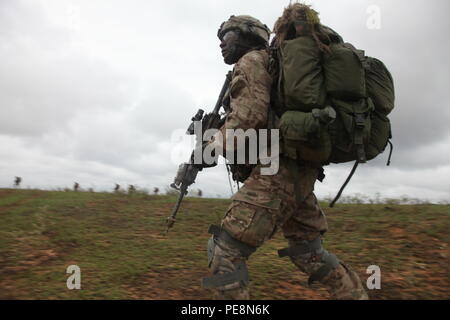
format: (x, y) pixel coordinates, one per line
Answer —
(332, 107)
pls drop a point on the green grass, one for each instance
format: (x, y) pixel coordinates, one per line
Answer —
(117, 240)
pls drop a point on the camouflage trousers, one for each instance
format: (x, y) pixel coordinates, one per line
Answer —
(262, 206)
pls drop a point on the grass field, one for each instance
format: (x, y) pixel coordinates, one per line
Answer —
(117, 240)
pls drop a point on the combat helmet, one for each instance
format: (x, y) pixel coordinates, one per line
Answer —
(246, 24)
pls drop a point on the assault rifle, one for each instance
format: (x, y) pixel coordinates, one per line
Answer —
(187, 172)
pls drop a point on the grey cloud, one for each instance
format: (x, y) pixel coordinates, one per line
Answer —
(100, 105)
(46, 98)
(164, 109)
(44, 81)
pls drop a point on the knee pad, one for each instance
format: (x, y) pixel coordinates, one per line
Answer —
(229, 280)
(210, 249)
(220, 234)
(305, 250)
(229, 250)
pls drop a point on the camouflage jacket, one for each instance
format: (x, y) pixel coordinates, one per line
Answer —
(248, 98)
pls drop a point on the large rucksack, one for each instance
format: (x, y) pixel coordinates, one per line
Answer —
(332, 107)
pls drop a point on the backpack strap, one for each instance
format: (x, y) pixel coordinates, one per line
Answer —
(280, 76)
(351, 175)
(360, 121)
(344, 185)
(390, 152)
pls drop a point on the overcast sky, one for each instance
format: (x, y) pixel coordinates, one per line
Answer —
(96, 91)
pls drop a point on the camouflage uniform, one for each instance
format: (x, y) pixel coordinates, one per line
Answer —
(267, 203)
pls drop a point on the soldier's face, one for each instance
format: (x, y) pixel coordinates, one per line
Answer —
(229, 46)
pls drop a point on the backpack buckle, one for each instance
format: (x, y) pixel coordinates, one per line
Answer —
(360, 119)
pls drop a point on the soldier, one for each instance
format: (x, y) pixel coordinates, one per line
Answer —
(267, 203)
(156, 191)
(17, 182)
(117, 187)
(76, 186)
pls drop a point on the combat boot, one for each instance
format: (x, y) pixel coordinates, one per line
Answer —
(344, 284)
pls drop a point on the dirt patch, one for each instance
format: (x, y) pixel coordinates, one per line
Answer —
(295, 291)
(31, 260)
(170, 285)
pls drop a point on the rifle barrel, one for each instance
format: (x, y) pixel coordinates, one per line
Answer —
(172, 218)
